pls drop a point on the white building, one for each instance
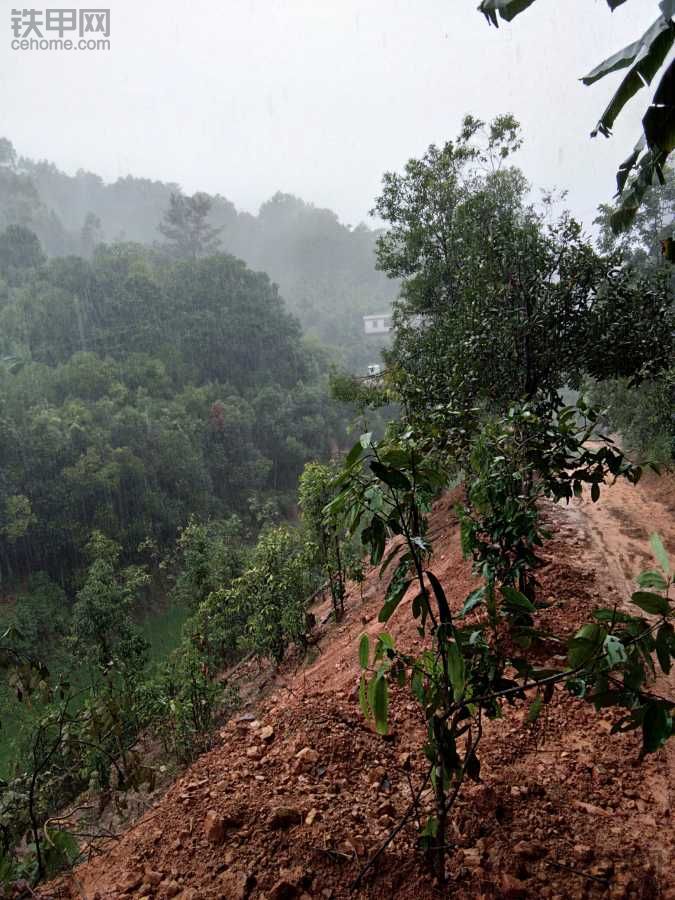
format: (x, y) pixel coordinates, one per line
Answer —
(378, 324)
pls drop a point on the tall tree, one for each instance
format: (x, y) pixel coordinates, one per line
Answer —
(496, 305)
(186, 228)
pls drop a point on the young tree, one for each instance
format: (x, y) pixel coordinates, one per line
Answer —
(20, 251)
(7, 154)
(102, 615)
(91, 234)
(314, 493)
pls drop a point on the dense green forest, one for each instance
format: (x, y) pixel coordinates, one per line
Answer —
(138, 391)
(325, 270)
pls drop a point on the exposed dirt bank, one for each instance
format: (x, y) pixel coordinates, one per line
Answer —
(299, 791)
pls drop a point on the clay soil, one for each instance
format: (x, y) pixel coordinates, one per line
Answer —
(298, 792)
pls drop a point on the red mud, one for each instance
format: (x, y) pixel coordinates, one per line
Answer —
(564, 809)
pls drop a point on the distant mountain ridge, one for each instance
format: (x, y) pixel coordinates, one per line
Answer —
(325, 270)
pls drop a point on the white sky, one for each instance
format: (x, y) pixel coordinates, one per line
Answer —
(319, 97)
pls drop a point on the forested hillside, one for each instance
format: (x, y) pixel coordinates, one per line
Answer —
(136, 391)
(138, 394)
(325, 270)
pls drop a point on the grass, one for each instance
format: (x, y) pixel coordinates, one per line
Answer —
(161, 629)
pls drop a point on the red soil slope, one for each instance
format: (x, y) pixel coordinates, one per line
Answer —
(299, 792)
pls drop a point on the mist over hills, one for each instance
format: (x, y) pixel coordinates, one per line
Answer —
(325, 270)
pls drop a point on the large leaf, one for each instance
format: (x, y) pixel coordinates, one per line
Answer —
(660, 552)
(633, 53)
(439, 594)
(354, 454)
(390, 476)
(654, 604)
(659, 120)
(474, 598)
(652, 579)
(517, 600)
(395, 594)
(363, 697)
(364, 651)
(657, 727)
(585, 645)
(380, 704)
(507, 9)
(633, 195)
(665, 646)
(645, 57)
(456, 670)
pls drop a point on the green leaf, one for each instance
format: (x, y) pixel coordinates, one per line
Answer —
(395, 594)
(652, 579)
(417, 684)
(381, 704)
(363, 697)
(612, 615)
(627, 55)
(386, 640)
(665, 646)
(354, 454)
(645, 57)
(391, 477)
(366, 440)
(364, 651)
(585, 645)
(535, 709)
(456, 670)
(654, 604)
(660, 552)
(377, 540)
(657, 727)
(473, 600)
(430, 829)
(518, 600)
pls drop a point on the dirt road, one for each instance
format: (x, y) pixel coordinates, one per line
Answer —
(612, 537)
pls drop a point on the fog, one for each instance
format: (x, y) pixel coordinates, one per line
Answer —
(319, 98)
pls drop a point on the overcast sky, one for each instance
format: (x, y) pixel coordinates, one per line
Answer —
(319, 97)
